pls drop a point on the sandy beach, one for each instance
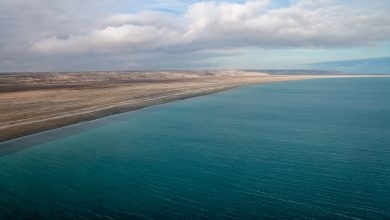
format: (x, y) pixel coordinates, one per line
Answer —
(34, 102)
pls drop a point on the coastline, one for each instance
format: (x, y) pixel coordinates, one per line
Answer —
(160, 92)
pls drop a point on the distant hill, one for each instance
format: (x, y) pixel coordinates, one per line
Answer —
(373, 65)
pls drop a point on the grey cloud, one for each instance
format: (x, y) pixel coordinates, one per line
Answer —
(109, 40)
(61, 32)
(305, 24)
(24, 22)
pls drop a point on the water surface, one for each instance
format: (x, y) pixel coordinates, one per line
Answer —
(305, 149)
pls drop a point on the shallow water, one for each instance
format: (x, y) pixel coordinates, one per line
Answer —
(304, 149)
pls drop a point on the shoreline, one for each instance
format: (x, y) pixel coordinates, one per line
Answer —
(24, 126)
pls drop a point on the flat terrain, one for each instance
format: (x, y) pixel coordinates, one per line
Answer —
(33, 102)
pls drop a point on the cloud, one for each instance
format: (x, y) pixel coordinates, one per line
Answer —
(110, 39)
(38, 29)
(307, 23)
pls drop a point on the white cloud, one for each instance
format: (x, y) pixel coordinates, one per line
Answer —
(156, 19)
(108, 40)
(211, 17)
(307, 23)
(84, 31)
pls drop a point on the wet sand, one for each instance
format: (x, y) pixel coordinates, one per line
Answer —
(34, 102)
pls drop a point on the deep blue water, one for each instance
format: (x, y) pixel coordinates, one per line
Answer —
(314, 149)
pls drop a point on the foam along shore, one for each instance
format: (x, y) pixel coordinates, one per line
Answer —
(34, 102)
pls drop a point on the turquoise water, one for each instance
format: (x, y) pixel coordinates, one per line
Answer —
(305, 149)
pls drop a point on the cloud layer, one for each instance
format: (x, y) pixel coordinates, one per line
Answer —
(211, 24)
(204, 29)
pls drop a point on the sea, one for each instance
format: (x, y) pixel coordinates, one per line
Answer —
(311, 149)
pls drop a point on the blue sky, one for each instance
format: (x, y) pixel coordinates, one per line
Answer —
(48, 35)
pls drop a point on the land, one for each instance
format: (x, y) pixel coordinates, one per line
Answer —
(34, 102)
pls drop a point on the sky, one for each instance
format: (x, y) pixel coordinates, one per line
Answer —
(84, 35)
